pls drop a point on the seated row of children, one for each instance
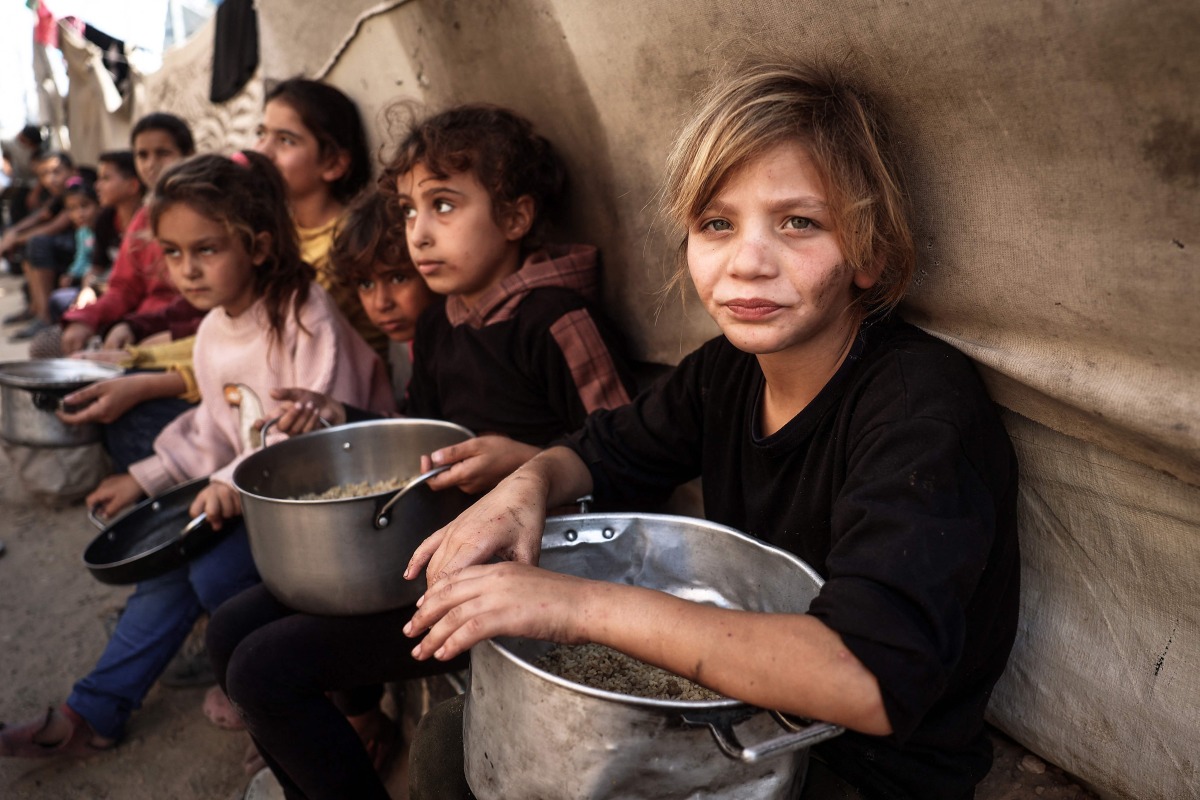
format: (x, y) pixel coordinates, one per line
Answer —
(819, 421)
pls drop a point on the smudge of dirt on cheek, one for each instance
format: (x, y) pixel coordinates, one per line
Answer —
(1173, 149)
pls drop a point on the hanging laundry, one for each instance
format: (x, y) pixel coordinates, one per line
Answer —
(114, 56)
(235, 48)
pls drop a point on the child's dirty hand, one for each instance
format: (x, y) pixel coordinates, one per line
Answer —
(505, 599)
(477, 464)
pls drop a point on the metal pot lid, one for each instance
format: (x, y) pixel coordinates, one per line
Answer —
(55, 373)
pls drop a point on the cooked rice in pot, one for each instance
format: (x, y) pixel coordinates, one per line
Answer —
(360, 489)
(602, 667)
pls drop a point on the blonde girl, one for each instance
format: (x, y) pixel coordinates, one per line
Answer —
(821, 424)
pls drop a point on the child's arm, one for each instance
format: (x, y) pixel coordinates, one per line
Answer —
(508, 520)
(22, 230)
(787, 662)
(477, 464)
(105, 401)
(301, 410)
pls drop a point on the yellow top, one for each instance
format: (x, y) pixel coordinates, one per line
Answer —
(315, 244)
(174, 356)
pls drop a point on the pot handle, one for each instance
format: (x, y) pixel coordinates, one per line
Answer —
(95, 518)
(100, 522)
(804, 733)
(382, 520)
(197, 522)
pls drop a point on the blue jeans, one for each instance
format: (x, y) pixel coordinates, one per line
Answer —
(130, 437)
(156, 621)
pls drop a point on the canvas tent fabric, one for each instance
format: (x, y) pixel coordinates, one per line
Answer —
(1054, 165)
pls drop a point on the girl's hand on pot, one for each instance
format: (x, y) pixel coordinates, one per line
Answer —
(301, 411)
(505, 599)
(507, 522)
(219, 502)
(114, 494)
(477, 464)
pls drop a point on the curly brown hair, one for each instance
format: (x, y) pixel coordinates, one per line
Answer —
(245, 193)
(369, 233)
(500, 147)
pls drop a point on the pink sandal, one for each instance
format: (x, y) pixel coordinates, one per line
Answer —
(22, 741)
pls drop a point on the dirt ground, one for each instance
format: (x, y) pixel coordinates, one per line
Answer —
(51, 632)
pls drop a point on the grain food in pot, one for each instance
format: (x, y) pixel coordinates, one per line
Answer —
(603, 668)
(360, 489)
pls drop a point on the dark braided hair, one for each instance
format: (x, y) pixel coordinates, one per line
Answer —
(245, 193)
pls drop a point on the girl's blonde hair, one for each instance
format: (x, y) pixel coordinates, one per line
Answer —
(246, 194)
(758, 107)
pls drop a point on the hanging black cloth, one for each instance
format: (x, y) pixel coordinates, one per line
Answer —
(114, 56)
(235, 49)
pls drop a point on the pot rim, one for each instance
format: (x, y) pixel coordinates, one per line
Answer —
(100, 371)
(339, 429)
(647, 703)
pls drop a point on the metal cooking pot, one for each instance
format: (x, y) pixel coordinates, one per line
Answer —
(30, 393)
(528, 733)
(345, 556)
(155, 536)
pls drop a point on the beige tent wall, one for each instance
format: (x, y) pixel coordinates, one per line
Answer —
(181, 87)
(1054, 154)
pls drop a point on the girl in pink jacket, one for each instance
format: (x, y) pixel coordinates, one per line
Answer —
(231, 249)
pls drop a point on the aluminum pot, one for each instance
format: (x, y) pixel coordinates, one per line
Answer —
(528, 733)
(345, 556)
(30, 393)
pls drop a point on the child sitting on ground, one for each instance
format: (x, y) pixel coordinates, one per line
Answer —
(138, 282)
(515, 352)
(227, 239)
(43, 238)
(820, 424)
(119, 192)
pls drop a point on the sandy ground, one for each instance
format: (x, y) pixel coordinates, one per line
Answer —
(51, 631)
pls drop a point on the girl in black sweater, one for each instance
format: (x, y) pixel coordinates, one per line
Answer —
(820, 424)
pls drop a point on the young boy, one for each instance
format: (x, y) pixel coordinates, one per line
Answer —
(44, 236)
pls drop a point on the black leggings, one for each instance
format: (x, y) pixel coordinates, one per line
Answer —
(276, 664)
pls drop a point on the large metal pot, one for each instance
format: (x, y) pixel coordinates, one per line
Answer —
(345, 556)
(528, 733)
(30, 393)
